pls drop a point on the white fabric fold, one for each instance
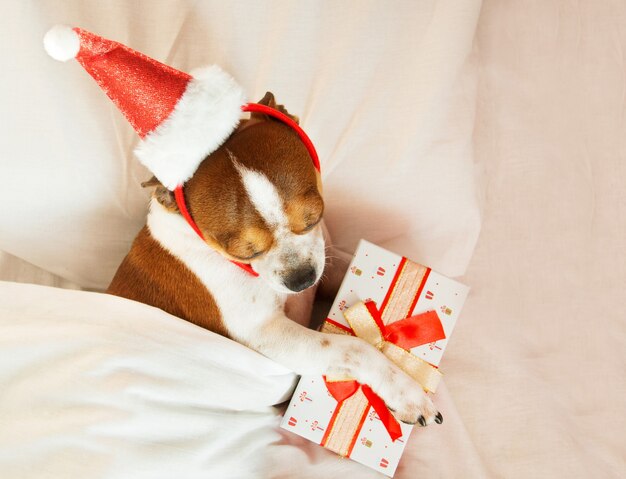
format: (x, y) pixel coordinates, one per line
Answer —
(101, 386)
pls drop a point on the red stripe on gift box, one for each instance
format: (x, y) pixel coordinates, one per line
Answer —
(419, 290)
(392, 285)
(331, 423)
(356, 433)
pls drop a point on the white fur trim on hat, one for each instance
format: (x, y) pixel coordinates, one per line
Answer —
(204, 117)
(61, 43)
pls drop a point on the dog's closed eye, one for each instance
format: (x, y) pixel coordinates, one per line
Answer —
(252, 256)
(247, 244)
(305, 212)
(309, 226)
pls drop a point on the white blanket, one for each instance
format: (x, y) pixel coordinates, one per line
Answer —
(98, 386)
(101, 387)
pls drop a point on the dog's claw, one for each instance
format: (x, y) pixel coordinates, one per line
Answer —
(422, 421)
(438, 418)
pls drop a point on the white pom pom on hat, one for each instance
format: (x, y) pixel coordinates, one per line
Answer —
(61, 43)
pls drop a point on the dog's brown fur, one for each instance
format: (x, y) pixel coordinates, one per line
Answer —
(230, 224)
(219, 204)
(151, 275)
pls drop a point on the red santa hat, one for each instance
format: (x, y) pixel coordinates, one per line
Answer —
(181, 118)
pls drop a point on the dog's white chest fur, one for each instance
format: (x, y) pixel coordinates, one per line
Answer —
(239, 296)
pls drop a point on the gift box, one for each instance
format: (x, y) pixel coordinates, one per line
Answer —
(406, 310)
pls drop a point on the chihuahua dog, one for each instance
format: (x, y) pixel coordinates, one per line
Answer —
(257, 200)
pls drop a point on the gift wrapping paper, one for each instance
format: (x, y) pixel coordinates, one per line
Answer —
(400, 288)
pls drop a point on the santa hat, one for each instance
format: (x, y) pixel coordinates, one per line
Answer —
(181, 118)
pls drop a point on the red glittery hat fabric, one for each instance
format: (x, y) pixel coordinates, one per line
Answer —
(145, 90)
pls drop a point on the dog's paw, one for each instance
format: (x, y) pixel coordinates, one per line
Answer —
(408, 401)
(401, 393)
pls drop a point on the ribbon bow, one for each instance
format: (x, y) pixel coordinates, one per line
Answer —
(394, 341)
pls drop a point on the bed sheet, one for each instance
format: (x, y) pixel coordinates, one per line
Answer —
(16, 269)
(540, 354)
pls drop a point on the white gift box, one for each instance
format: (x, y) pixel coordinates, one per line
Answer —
(400, 288)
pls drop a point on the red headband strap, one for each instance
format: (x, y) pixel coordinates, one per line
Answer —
(179, 194)
(256, 108)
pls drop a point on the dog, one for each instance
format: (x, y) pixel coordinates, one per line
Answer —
(257, 200)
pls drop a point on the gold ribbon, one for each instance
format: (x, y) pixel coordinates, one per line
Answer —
(365, 327)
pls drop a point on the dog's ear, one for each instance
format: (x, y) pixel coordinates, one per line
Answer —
(151, 182)
(269, 100)
(162, 194)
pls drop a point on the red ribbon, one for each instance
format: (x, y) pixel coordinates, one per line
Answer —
(407, 333)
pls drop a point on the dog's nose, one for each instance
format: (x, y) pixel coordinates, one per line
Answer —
(300, 279)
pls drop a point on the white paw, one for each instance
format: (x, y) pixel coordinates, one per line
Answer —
(408, 401)
(402, 395)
